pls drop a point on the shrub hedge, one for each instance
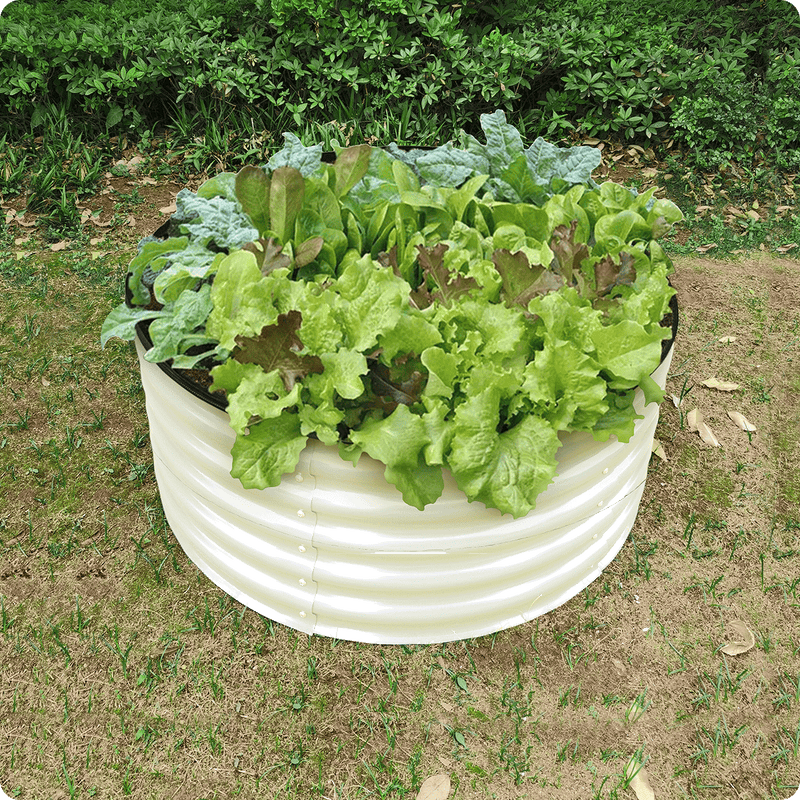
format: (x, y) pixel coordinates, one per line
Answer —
(725, 82)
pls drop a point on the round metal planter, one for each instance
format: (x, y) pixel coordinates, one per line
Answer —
(334, 550)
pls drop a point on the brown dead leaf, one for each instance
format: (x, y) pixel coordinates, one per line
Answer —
(695, 421)
(787, 247)
(638, 780)
(437, 787)
(86, 215)
(704, 248)
(742, 421)
(10, 215)
(726, 339)
(723, 386)
(707, 435)
(45, 382)
(701, 209)
(21, 221)
(148, 181)
(100, 224)
(62, 245)
(131, 164)
(131, 221)
(753, 215)
(170, 209)
(658, 449)
(743, 639)
(649, 172)
(676, 401)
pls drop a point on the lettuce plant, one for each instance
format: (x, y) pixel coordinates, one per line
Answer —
(447, 309)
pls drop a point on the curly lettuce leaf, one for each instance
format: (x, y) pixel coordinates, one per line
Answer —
(318, 412)
(566, 316)
(374, 301)
(399, 441)
(565, 387)
(243, 300)
(270, 450)
(252, 392)
(628, 352)
(412, 334)
(620, 418)
(344, 369)
(507, 470)
(277, 347)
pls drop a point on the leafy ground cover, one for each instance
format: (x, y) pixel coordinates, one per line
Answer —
(125, 672)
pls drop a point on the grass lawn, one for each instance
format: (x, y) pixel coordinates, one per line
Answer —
(125, 672)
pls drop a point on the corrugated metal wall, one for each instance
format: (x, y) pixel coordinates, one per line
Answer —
(334, 550)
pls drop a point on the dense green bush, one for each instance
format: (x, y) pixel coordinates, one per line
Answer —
(723, 116)
(409, 67)
(783, 109)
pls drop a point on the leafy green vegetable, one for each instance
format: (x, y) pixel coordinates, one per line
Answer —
(252, 187)
(397, 441)
(515, 174)
(277, 347)
(295, 154)
(504, 470)
(269, 449)
(454, 308)
(212, 220)
(122, 322)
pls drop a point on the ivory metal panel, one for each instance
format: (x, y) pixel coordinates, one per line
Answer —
(334, 550)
